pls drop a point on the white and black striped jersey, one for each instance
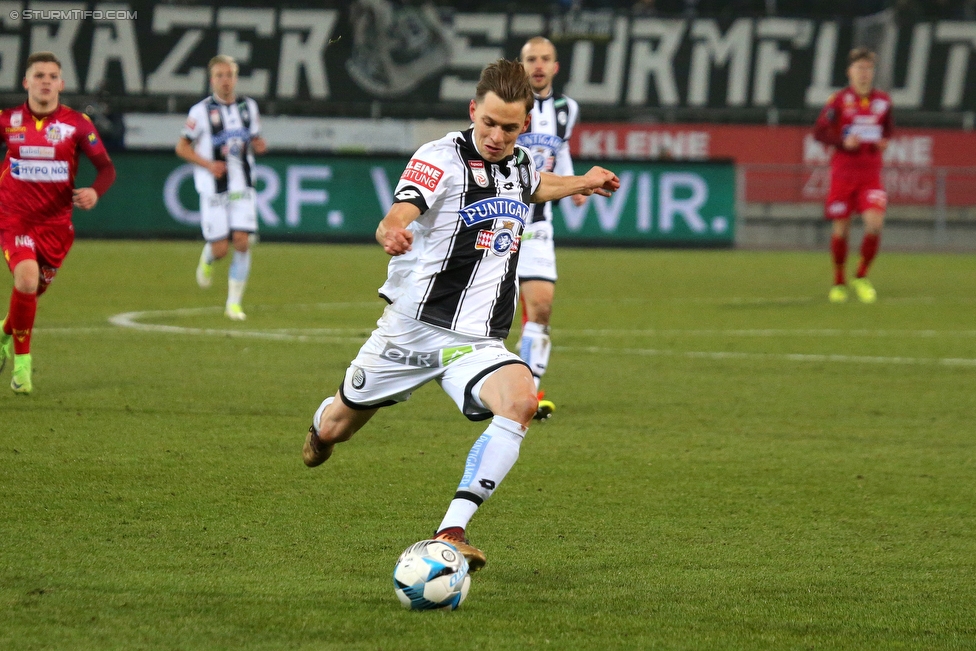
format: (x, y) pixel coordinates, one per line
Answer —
(553, 119)
(460, 272)
(223, 132)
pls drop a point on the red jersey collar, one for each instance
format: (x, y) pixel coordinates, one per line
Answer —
(38, 118)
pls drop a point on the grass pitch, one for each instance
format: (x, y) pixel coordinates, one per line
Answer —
(734, 463)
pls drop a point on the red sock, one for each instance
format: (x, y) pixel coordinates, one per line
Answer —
(20, 320)
(838, 247)
(869, 249)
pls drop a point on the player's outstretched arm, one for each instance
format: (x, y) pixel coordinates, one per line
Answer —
(597, 181)
(392, 233)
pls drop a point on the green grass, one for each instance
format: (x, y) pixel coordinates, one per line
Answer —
(734, 463)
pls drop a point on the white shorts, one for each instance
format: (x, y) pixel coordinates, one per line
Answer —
(228, 211)
(404, 354)
(537, 254)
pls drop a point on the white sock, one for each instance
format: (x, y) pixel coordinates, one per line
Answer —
(534, 348)
(316, 419)
(207, 254)
(240, 269)
(490, 459)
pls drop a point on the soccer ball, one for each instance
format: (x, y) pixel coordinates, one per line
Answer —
(431, 575)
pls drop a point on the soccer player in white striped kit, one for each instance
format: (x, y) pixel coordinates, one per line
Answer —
(553, 117)
(221, 136)
(454, 232)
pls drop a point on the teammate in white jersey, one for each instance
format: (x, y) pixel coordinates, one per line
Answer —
(454, 233)
(221, 136)
(553, 117)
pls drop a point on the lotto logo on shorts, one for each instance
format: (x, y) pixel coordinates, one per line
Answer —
(24, 242)
(837, 208)
(423, 174)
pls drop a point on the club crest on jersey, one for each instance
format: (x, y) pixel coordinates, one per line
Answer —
(16, 119)
(58, 131)
(500, 242)
(479, 173)
(879, 106)
(215, 117)
(494, 208)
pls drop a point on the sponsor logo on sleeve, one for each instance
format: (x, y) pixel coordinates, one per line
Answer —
(191, 124)
(92, 139)
(422, 173)
(407, 194)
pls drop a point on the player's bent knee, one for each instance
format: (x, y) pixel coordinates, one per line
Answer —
(521, 408)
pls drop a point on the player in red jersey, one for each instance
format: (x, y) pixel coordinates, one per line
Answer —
(37, 193)
(857, 122)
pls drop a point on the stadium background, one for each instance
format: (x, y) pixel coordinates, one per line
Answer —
(664, 86)
(735, 463)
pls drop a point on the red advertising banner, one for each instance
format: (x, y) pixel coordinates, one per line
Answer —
(785, 164)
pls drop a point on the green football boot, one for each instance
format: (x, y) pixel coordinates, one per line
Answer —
(838, 294)
(865, 290)
(204, 272)
(6, 349)
(20, 381)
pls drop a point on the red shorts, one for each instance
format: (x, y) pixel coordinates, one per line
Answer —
(48, 244)
(852, 194)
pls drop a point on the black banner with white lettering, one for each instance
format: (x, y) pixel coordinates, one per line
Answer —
(376, 56)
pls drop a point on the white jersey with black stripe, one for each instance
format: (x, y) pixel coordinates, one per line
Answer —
(553, 120)
(460, 273)
(233, 139)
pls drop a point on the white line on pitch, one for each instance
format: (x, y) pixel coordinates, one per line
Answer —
(794, 357)
(129, 320)
(769, 332)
